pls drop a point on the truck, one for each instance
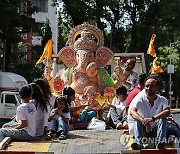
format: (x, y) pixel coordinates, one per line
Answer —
(9, 93)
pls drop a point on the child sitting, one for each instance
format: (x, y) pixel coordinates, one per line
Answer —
(25, 128)
(93, 107)
(59, 118)
(117, 114)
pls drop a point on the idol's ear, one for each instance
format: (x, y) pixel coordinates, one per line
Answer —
(67, 56)
(103, 56)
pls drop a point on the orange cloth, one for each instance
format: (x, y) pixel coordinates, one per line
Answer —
(155, 68)
(151, 51)
(47, 53)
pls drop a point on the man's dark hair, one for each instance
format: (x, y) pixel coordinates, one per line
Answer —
(142, 78)
(132, 61)
(121, 90)
(157, 78)
(25, 91)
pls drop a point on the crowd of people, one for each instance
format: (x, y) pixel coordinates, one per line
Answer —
(142, 110)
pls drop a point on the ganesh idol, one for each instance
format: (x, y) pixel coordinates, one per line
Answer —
(85, 58)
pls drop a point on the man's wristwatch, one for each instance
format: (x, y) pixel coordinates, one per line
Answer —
(153, 119)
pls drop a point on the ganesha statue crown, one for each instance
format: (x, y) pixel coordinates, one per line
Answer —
(85, 42)
(91, 37)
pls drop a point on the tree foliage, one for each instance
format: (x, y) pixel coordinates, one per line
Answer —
(128, 25)
(46, 32)
(130, 22)
(14, 21)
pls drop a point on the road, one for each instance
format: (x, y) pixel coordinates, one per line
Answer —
(81, 141)
(176, 115)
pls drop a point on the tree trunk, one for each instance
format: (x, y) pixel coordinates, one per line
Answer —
(7, 56)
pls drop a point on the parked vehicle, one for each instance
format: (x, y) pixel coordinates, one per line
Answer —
(9, 95)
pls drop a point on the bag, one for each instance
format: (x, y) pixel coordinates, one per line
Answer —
(96, 124)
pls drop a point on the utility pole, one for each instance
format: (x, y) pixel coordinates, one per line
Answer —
(171, 71)
(170, 80)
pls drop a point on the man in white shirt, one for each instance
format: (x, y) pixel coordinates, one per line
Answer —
(132, 78)
(130, 119)
(150, 112)
(128, 76)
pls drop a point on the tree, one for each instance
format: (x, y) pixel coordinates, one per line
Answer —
(46, 32)
(14, 15)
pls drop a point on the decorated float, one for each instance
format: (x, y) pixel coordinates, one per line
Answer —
(85, 58)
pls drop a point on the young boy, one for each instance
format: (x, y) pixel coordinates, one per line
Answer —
(25, 128)
(117, 113)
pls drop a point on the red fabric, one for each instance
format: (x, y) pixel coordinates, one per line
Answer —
(158, 151)
(130, 96)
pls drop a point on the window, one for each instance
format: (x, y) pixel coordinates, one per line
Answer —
(36, 29)
(10, 99)
(41, 4)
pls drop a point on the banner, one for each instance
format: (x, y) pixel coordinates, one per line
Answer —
(47, 53)
(155, 68)
(151, 51)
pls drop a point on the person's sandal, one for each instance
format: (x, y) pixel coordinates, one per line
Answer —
(48, 137)
(161, 145)
(136, 146)
(62, 137)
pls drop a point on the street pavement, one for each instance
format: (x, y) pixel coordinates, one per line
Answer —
(87, 141)
(177, 118)
(176, 115)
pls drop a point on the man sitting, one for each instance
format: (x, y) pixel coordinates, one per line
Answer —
(131, 99)
(150, 112)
